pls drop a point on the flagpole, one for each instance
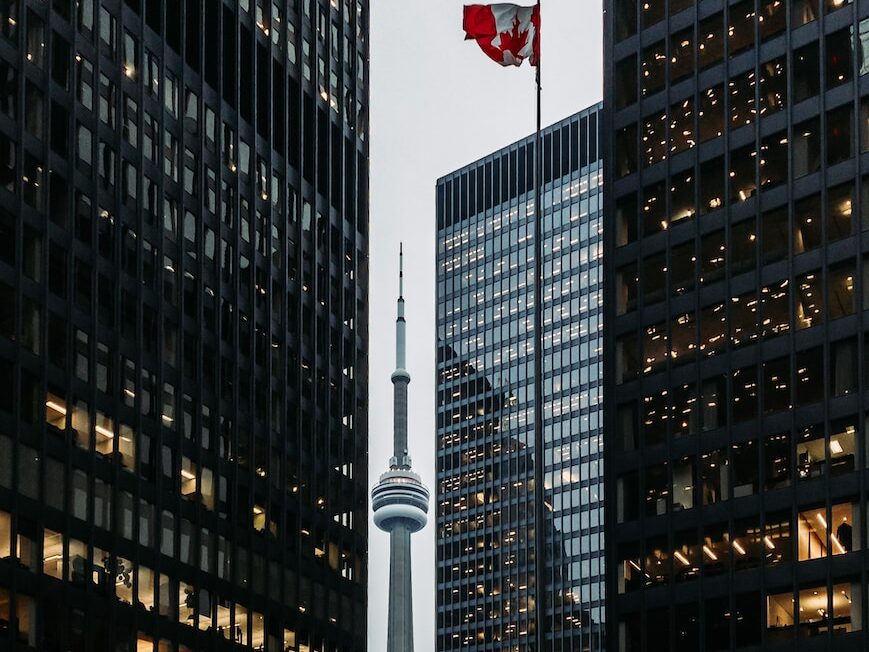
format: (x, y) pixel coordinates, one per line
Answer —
(539, 494)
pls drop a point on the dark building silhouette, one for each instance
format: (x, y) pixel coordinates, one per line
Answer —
(736, 346)
(487, 589)
(183, 333)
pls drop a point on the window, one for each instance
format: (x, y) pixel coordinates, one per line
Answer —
(840, 291)
(682, 196)
(655, 347)
(743, 177)
(152, 75)
(711, 113)
(131, 55)
(777, 544)
(657, 490)
(131, 120)
(863, 46)
(772, 18)
(777, 461)
(742, 21)
(682, 269)
(34, 110)
(806, 73)
(681, 55)
(24, 631)
(686, 555)
(714, 476)
(108, 32)
(746, 543)
(839, 134)
(627, 282)
(170, 95)
(656, 412)
(712, 185)
(807, 224)
(5, 535)
(711, 40)
(52, 554)
(814, 609)
(774, 154)
(35, 52)
(653, 12)
(33, 184)
(9, 79)
(84, 145)
(653, 67)
(170, 156)
(806, 148)
(804, 11)
(744, 469)
(779, 616)
(843, 446)
(716, 549)
(191, 111)
(683, 484)
(840, 55)
(657, 561)
(626, 82)
(712, 258)
(742, 100)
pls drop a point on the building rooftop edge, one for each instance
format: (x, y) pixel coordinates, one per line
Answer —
(589, 110)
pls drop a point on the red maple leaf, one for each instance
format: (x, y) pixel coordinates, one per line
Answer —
(514, 40)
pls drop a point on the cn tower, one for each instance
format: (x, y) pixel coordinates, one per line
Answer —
(400, 500)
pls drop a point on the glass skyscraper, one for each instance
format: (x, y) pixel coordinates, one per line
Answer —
(736, 349)
(488, 594)
(183, 331)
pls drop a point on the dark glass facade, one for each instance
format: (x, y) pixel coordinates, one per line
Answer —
(183, 355)
(737, 354)
(487, 591)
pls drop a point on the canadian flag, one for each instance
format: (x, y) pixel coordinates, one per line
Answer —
(507, 33)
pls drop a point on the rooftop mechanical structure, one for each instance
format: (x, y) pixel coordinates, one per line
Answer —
(400, 500)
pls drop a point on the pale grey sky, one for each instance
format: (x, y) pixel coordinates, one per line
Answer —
(437, 103)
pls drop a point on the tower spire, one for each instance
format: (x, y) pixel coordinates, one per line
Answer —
(400, 377)
(400, 326)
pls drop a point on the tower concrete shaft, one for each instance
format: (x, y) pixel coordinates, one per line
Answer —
(400, 631)
(400, 500)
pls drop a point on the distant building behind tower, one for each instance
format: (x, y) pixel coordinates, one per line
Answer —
(486, 585)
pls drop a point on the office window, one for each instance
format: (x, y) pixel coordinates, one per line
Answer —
(744, 468)
(653, 68)
(777, 461)
(806, 72)
(35, 46)
(807, 224)
(711, 40)
(742, 22)
(711, 113)
(804, 11)
(681, 55)
(840, 55)
(840, 129)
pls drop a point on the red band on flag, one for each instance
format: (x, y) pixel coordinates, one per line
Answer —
(507, 33)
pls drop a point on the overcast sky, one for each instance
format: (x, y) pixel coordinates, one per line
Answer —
(438, 103)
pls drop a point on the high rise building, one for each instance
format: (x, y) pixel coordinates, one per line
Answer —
(736, 347)
(183, 340)
(488, 593)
